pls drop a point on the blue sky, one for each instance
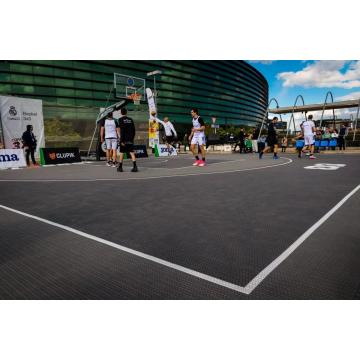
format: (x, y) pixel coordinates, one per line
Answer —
(311, 79)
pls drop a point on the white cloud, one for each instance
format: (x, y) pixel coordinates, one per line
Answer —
(352, 96)
(324, 74)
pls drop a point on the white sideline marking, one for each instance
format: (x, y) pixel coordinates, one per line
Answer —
(248, 289)
(272, 266)
(133, 252)
(151, 177)
(192, 166)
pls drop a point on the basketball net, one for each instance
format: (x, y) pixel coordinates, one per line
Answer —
(135, 98)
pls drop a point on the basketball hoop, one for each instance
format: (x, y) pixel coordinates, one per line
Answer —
(135, 98)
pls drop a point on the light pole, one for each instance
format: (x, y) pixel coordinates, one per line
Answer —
(154, 73)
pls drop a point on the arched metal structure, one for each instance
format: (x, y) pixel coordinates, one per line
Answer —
(323, 110)
(314, 107)
(267, 114)
(292, 118)
(356, 120)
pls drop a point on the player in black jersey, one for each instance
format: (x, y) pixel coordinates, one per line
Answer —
(127, 135)
(271, 140)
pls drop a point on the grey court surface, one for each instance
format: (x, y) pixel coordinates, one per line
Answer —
(239, 228)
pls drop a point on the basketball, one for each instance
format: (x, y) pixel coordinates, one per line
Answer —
(153, 113)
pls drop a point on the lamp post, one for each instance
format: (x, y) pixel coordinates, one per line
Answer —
(154, 73)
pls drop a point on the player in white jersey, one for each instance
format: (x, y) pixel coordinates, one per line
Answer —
(197, 138)
(309, 131)
(170, 132)
(109, 129)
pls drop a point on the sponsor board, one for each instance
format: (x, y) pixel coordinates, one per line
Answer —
(163, 150)
(59, 156)
(225, 148)
(16, 113)
(12, 158)
(139, 150)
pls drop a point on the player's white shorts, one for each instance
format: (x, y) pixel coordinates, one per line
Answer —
(111, 144)
(198, 139)
(309, 140)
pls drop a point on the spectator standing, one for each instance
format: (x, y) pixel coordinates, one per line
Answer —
(186, 142)
(254, 139)
(29, 145)
(342, 136)
(284, 144)
(241, 142)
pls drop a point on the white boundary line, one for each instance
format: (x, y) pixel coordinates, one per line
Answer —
(150, 177)
(248, 289)
(273, 265)
(133, 252)
(191, 166)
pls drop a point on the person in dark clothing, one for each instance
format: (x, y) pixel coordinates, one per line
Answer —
(284, 144)
(341, 138)
(272, 140)
(127, 135)
(241, 142)
(29, 145)
(254, 139)
(186, 142)
(299, 146)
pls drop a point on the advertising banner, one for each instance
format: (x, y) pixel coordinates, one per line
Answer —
(163, 150)
(12, 158)
(53, 156)
(16, 113)
(140, 151)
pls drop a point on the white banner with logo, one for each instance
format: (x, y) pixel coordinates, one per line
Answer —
(12, 158)
(163, 150)
(16, 113)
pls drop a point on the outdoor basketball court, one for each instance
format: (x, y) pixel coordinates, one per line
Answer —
(239, 228)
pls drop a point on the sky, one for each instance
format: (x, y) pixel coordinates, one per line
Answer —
(312, 79)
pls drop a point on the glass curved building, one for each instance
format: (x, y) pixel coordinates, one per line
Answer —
(73, 91)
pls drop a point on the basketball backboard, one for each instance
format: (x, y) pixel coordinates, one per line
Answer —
(126, 86)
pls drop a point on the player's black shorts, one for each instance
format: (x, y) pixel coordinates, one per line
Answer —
(169, 139)
(127, 148)
(272, 140)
